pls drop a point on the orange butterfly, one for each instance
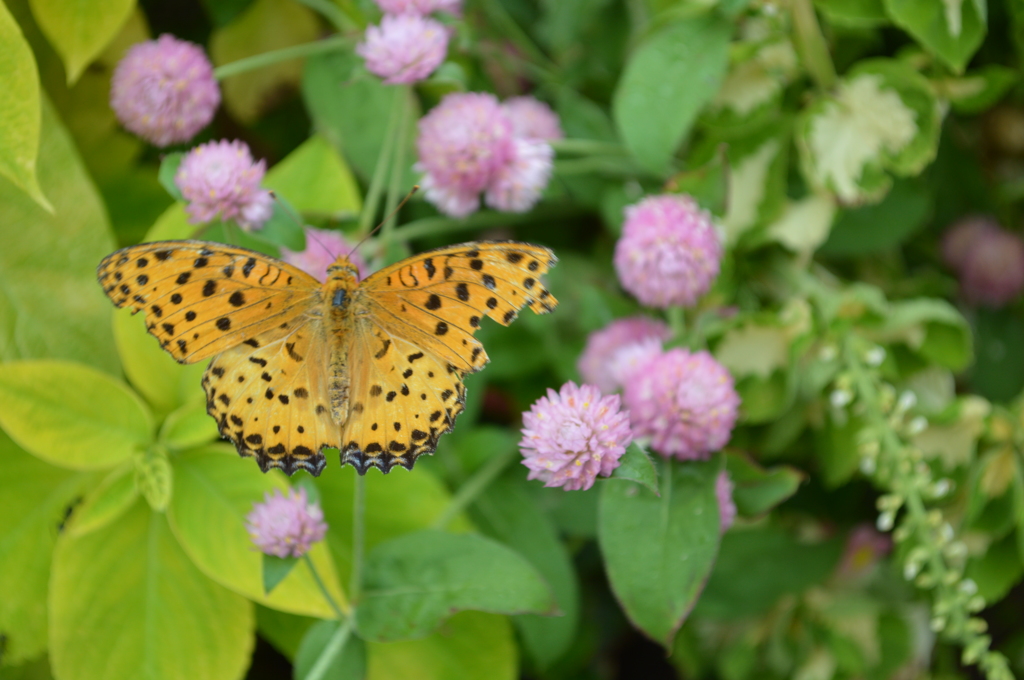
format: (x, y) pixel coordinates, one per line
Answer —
(373, 368)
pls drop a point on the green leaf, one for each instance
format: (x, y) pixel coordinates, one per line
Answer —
(349, 661)
(836, 444)
(998, 372)
(931, 327)
(282, 230)
(416, 581)
(757, 490)
(636, 466)
(215, 483)
(168, 169)
(996, 570)
(659, 551)
(127, 603)
(188, 427)
(51, 306)
(154, 477)
(667, 80)
(401, 503)
(275, 569)
(164, 382)
(79, 31)
(707, 184)
(106, 502)
(72, 415)
(509, 514)
(284, 631)
(472, 645)
(351, 109)
(264, 26)
(978, 90)
(874, 228)
(19, 110)
(952, 30)
(34, 501)
(854, 13)
(757, 566)
(315, 179)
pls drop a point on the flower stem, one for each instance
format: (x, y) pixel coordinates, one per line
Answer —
(380, 170)
(676, 321)
(338, 613)
(473, 486)
(358, 536)
(589, 147)
(333, 44)
(811, 44)
(331, 650)
(506, 25)
(398, 165)
(332, 13)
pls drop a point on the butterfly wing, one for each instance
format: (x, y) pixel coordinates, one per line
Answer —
(269, 396)
(414, 342)
(201, 298)
(437, 299)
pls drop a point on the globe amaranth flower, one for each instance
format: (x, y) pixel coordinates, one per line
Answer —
(685, 402)
(405, 48)
(612, 352)
(532, 119)
(992, 273)
(571, 436)
(221, 179)
(726, 506)
(467, 145)
(518, 184)
(323, 246)
(286, 526)
(164, 90)
(420, 7)
(962, 236)
(669, 253)
(865, 547)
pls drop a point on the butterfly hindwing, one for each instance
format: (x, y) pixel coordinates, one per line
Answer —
(202, 298)
(438, 298)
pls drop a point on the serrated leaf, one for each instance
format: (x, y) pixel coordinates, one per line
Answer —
(171, 621)
(80, 31)
(72, 415)
(749, 179)
(19, 110)
(658, 551)
(805, 224)
(666, 82)
(636, 466)
(416, 581)
(755, 82)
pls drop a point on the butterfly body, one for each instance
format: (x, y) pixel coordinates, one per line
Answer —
(373, 367)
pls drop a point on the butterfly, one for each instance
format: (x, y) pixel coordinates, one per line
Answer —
(372, 367)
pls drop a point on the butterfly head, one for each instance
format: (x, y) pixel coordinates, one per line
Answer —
(343, 271)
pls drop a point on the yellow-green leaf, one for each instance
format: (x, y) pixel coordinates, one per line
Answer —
(52, 306)
(214, 491)
(19, 110)
(127, 603)
(34, 500)
(72, 415)
(80, 30)
(189, 426)
(105, 503)
(316, 179)
(264, 26)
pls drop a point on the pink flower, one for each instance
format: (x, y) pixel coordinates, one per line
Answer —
(323, 246)
(993, 268)
(532, 119)
(164, 90)
(726, 506)
(420, 7)
(684, 402)
(517, 186)
(669, 252)
(865, 546)
(463, 144)
(221, 179)
(405, 48)
(286, 525)
(618, 348)
(962, 236)
(571, 436)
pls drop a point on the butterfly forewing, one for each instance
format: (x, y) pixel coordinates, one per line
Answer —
(437, 299)
(202, 298)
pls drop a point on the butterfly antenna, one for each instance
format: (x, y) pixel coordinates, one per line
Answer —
(415, 188)
(298, 220)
